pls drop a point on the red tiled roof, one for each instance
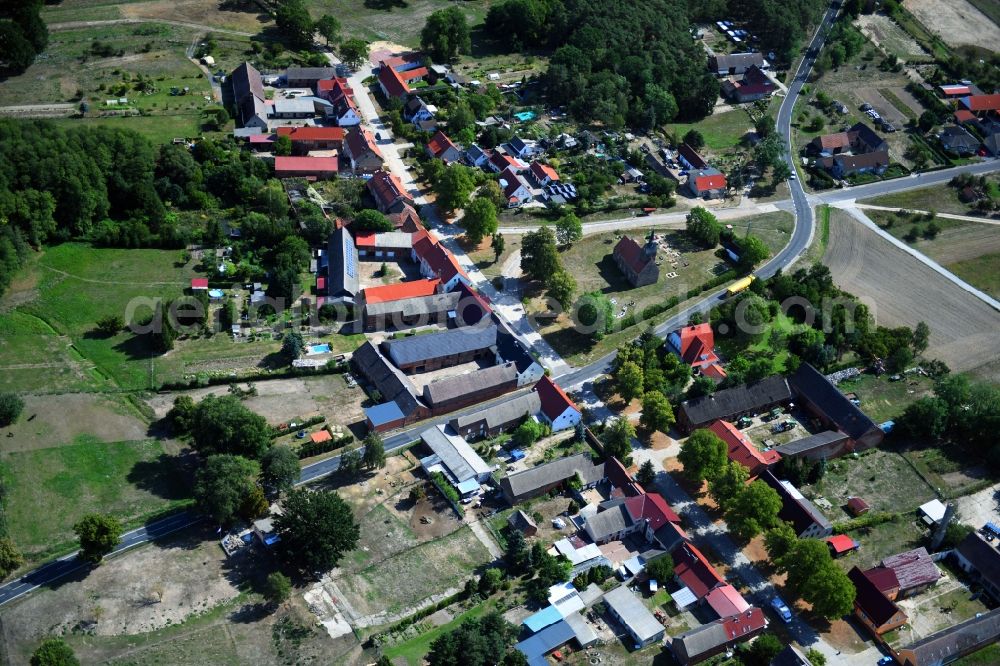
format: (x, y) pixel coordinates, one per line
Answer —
(698, 344)
(541, 171)
(261, 138)
(695, 571)
(386, 188)
(411, 74)
(982, 102)
(964, 116)
(834, 141)
(714, 371)
(440, 260)
(726, 601)
(857, 505)
(955, 89)
(313, 133)
(397, 61)
(713, 182)
(321, 436)
(631, 254)
(359, 141)
(503, 161)
(397, 292)
(199, 283)
(740, 449)
(653, 508)
(554, 400)
(841, 543)
(336, 86)
(407, 219)
(440, 143)
(394, 85)
(744, 623)
(311, 164)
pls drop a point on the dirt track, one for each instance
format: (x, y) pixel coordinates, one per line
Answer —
(956, 21)
(901, 292)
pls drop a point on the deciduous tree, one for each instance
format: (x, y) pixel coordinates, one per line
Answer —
(561, 286)
(754, 509)
(11, 406)
(703, 455)
(480, 220)
(569, 229)
(224, 487)
(54, 652)
(704, 227)
(280, 468)
(277, 587)
(316, 529)
(728, 484)
(329, 27)
(354, 52)
(221, 424)
(618, 438)
(446, 34)
(98, 534)
(539, 256)
(657, 414)
(454, 187)
(374, 455)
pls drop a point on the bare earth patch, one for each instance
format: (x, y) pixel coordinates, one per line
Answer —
(204, 12)
(886, 33)
(957, 22)
(53, 420)
(902, 291)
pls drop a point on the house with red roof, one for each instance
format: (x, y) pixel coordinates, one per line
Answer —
(339, 93)
(543, 174)
(362, 153)
(952, 90)
(557, 409)
(754, 85)
(392, 84)
(707, 184)
(436, 261)
(695, 345)
(740, 449)
(388, 192)
(981, 105)
(714, 638)
(305, 139)
(411, 76)
(515, 188)
(441, 147)
(637, 262)
(499, 162)
(725, 600)
(875, 610)
(403, 62)
(693, 570)
(310, 168)
(382, 246)
(401, 290)
(199, 284)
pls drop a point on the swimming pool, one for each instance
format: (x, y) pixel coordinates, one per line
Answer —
(319, 349)
(525, 116)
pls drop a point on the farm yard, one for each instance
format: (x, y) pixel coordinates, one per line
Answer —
(957, 22)
(897, 288)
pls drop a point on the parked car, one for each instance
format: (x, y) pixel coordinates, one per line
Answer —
(781, 609)
(784, 426)
(885, 661)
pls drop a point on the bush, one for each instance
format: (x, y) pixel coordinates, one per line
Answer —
(11, 407)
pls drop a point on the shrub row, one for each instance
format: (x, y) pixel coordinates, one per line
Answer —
(287, 373)
(311, 448)
(868, 520)
(448, 491)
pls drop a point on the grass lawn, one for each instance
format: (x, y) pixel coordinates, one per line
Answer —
(982, 272)
(485, 259)
(821, 237)
(34, 358)
(400, 23)
(413, 650)
(940, 198)
(48, 490)
(161, 128)
(411, 576)
(988, 656)
(881, 541)
(722, 131)
(883, 400)
(899, 225)
(882, 478)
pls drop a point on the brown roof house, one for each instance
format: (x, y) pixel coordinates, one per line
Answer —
(872, 607)
(637, 262)
(388, 191)
(362, 152)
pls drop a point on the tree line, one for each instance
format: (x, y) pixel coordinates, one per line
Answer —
(23, 35)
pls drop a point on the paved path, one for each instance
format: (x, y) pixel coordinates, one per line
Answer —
(674, 220)
(860, 216)
(949, 216)
(486, 539)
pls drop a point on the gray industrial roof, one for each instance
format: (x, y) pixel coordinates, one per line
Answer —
(817, 389)
(299, 73)
(419, 348)
(633, 613)
(806, 444)
(504, 412)
(469, 383)
(413, 307)
(948, 644)
(343, 267)
(455, 453)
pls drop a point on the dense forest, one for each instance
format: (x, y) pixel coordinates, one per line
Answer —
(23, 34)
(638, 64)
(112, 187)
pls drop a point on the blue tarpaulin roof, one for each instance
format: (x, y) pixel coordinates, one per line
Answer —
(993, 527)
(516, 454)
(545, 641)
(543, 618)
(387, 412)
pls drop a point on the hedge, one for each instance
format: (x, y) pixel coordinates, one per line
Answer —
(448, 491)
(278, 432)
(312, 448)
(287, 373)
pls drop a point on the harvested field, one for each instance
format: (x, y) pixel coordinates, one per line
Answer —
(957, 22)
(902, 291)
(202, 12)
(962, 243)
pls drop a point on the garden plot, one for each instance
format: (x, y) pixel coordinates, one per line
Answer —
(957, 22)
(887, 34)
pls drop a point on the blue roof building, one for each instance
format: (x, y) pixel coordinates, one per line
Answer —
(536, 647)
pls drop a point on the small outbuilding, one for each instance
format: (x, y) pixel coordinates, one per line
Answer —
(523, 523)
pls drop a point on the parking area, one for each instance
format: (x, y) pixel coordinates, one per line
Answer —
(882, 107)
(980, 508)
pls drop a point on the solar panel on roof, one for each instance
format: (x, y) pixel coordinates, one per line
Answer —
(349, 257)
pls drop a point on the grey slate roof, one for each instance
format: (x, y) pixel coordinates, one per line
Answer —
(468, 383)
(983, 557)
(805, 444)
(455, 454)
(739, 60)
(390, 382)
(343, 265)
(796, 509)
(612, 520)
(810, 383)
(504, 412)
(630, 609)
(511, 350)
(246, 80)
(948, 644)
(413, 307)
(743, 398)
(528, 480)
(313, 73)
(418, 348)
